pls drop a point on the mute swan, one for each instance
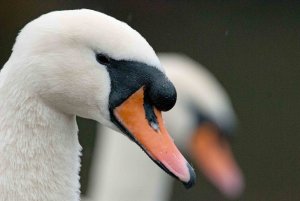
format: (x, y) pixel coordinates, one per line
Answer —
(85, 63)
(204, 108)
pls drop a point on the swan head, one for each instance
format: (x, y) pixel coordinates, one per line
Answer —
(85, 63)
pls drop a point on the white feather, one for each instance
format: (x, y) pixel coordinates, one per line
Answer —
(51, 76)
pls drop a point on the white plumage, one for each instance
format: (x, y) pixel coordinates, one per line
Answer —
(51, 76)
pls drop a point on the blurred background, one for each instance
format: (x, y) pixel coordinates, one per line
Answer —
(252, 47)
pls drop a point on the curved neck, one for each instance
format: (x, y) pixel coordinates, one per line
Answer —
(39, 150)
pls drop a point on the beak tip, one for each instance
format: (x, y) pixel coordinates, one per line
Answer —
(192, 179)
(234, 186)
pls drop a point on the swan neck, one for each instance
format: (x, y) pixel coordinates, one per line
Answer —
(39, 150)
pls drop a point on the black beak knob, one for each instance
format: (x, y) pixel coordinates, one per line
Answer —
(162, 93)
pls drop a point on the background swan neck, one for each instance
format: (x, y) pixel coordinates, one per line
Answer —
(39, 150)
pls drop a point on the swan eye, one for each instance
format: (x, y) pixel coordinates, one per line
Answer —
(102, 59)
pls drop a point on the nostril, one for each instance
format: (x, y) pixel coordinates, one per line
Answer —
(162, 94)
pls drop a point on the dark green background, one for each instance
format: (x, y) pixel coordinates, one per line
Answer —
(253, 47)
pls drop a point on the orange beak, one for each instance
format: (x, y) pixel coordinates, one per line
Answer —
(215, 159)
(152, 136)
